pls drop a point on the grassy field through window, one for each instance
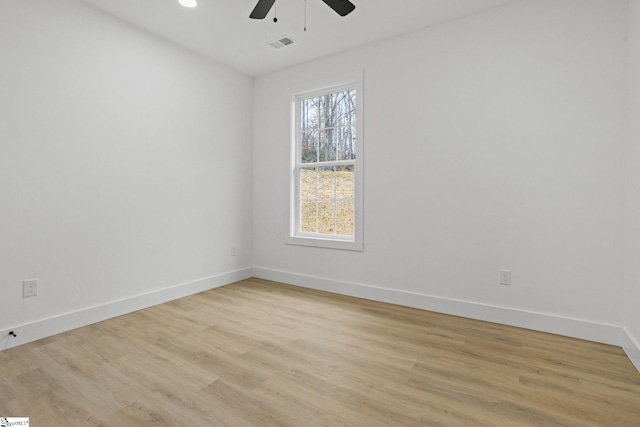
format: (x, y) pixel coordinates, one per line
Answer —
(327, 200)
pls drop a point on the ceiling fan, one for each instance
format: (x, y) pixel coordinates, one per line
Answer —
(342, 7)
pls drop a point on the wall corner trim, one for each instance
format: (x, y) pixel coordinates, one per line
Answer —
(65, 322)
(574, 328)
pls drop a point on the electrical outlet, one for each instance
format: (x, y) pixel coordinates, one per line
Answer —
(29, 288)
(505, 277)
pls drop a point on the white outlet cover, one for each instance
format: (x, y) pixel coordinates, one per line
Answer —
(29, 288)
(505, 277)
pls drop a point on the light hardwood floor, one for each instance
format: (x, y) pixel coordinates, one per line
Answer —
(259, 353)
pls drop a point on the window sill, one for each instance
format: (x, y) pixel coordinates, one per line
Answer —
(321, 242)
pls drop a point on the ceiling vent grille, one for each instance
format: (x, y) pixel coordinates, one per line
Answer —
(281, 42)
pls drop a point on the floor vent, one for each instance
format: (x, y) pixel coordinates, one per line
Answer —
(281, 42)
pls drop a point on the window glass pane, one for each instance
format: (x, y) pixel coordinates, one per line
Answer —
(345, 144)
(331, 144)
(308, 217)
(309, 146)
(353, 142)
(326, 219)
(345, 108)
(309, 114)
(326, 145)
(326, 184)
(324, 107)
(345, 218)
(345, 183)
(308, 184)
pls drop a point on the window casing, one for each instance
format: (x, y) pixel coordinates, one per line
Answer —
(326, 167)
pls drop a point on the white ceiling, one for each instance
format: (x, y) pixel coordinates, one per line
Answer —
(222, 30)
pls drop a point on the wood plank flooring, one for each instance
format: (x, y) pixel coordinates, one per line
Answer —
(259, 353)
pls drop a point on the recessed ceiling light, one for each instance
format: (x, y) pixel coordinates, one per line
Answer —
(188, 3)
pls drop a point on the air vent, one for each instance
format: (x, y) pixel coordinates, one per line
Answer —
(281, 42)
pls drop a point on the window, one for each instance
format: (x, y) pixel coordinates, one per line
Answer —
(326, 179)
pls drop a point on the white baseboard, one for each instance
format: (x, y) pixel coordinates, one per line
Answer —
(598, 332)
(575, 328)
(68, 321)
(631, 346)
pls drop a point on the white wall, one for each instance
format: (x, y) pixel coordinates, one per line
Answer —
(632, 230)
(493, 141)
(125, 164)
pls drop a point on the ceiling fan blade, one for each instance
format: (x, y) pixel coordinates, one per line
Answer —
(342, 7)
(262, 8)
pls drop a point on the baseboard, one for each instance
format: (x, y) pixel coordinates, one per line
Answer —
(582, 329)
(631, 346)
(575, 328)
(68, 321)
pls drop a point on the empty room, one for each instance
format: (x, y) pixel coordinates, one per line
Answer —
(320, 213)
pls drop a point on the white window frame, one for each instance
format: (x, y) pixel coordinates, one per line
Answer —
(294, 237)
